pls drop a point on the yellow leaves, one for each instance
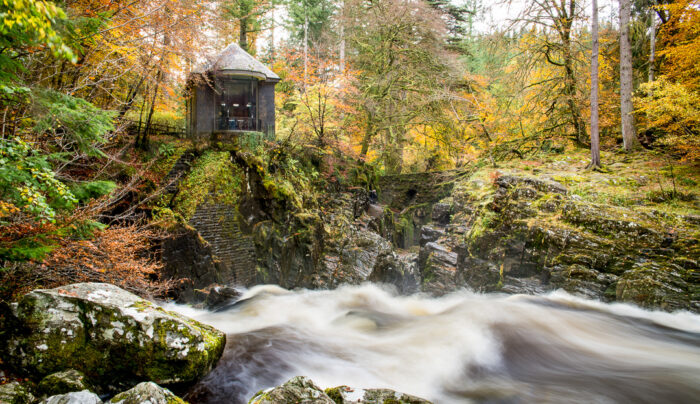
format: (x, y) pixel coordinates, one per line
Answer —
(7, 209)
(674, 110)
(680, 43)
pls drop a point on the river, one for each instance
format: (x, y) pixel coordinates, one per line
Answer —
(460, 348)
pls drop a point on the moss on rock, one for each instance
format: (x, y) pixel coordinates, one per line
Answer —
(63, 382)
(147, 392)
(16, 393)
(112, 336)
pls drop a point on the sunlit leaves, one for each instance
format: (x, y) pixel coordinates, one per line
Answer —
(28, 183)
(674, 111)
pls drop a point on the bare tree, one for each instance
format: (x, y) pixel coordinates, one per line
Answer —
(595, 140)
(557, 19)
(629, 134)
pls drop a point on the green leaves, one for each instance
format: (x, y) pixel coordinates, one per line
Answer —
(25, 27)
(28, 183)
(81, 125)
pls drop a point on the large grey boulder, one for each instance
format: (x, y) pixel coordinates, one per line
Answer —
(114, 337)
(76, 397)
(147, 392)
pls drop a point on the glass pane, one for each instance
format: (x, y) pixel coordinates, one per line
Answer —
(236, 105)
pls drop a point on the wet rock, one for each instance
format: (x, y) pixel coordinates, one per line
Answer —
(63, 382)
(299, 390)
(441, 213)
(429, 234)
(438, 267)
(76, 397)
(583, 281)
(440, 255)
(15, 393)
(147, 393)
(653, 284)
(398, 270)
(114, 337)
(381, 396)
(347, 395)
(479, 274)
(188, 257)
(530, 286)
(353, 257)
(219, 296)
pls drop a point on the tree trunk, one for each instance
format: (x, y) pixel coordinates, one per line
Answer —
(131, 96)
(652, 46)
(367, 138)
(272, 36)
(570, 89)
(306, 46)
(243, 33)
(342, 38)
(595, 141)
(564, 29)
(629, 134)
(143, 144)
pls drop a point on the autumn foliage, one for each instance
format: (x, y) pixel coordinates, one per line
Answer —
(118, 255)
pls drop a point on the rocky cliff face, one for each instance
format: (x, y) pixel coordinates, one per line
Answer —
(530, 235)
(512, 232)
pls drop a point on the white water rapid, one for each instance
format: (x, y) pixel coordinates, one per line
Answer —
(460, 348)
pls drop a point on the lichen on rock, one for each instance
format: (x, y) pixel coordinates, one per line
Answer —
(76, 397)
(15, 393)
(147, 392)
(114, 337)
(63, 382)
(298, 390)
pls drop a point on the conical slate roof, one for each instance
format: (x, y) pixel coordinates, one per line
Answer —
(235, 60)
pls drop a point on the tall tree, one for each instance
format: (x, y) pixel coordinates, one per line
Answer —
(309, 18)
(457, 17)
(629, 134)
(595, 141)
(557, 45)
(248, 15)
(403, 72)
(652, 45)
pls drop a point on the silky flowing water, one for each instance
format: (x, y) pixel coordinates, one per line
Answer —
(460, 348)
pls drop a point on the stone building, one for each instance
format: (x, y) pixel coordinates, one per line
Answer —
(231, 94)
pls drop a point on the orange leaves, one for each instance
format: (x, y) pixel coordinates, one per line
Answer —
(119, 255)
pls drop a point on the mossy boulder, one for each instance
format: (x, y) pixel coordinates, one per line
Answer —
(114, 337)
(76, 397)
(346, 395)
(386, 396)
(15, 393)
(63, 382)
(147, 392)
(301, 390)
(298, 390)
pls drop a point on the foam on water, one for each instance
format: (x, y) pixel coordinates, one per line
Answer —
(463, 347)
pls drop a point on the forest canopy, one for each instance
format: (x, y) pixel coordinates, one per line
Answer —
(87, 88)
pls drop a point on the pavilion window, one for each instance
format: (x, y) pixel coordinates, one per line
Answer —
(237, 105)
